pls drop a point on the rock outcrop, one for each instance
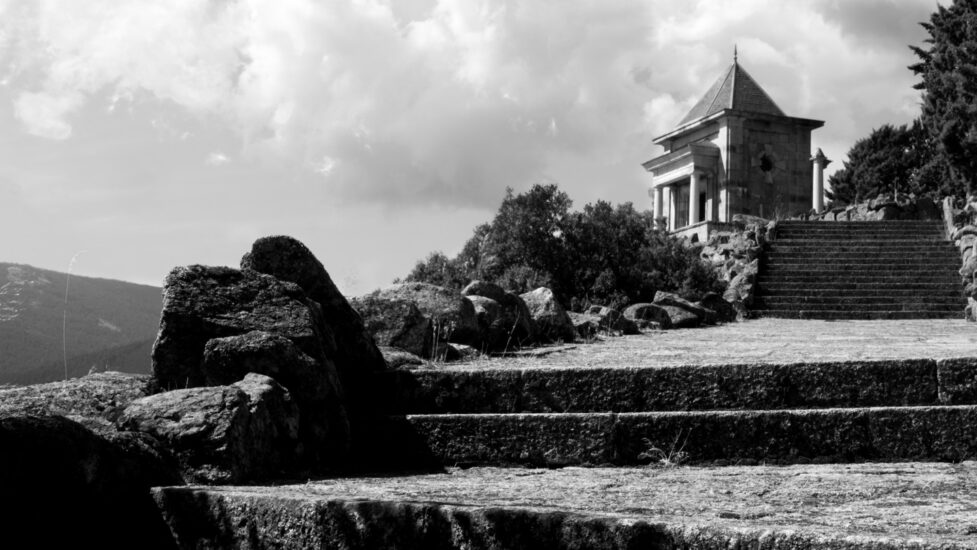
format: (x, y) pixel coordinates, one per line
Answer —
(65, 486)
(223, 434)
(356, 355)
(552, 322)
(204, 303)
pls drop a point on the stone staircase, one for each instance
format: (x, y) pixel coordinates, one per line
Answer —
(860, 270)
(897, 410)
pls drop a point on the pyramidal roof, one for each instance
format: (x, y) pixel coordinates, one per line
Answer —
(735, 89)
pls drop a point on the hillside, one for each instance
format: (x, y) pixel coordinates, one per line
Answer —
(110, 324)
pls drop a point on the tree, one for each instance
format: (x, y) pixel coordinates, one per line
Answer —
(439, 270)
(890, 159)
(948, 67)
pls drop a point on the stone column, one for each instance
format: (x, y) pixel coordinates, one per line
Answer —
(670, 200)
(659, 207)
(817, 192)
(694, 189)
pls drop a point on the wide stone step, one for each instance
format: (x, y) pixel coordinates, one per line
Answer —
(912, 264)
(856, 240)
(947, 433)
(921, 506)
(817, 249)
(806, 278)
(845, 291)
(880, 254)
(896, 303)
(856, 383)
(881, 235)
(872, 223)
(830, 314)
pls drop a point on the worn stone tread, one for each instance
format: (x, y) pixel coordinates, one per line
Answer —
(947, 433)
(901, 506)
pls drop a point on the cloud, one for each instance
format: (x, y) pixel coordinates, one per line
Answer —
(450, 101)
(217, 159)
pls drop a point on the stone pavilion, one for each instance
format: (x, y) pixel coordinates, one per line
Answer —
(735, 152)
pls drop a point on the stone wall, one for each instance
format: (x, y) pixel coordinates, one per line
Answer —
(734, 254)
(883, 208)
(961, 228)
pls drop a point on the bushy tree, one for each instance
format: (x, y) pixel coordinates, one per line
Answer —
(888, 160)
(602, 255)
(439, 270)
(948, 67)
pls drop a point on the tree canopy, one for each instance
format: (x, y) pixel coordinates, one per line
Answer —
(948, 67)
(604, 254)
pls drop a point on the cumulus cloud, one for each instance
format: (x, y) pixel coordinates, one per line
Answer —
(449, 101)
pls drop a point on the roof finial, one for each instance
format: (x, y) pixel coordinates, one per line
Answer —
(734, 53)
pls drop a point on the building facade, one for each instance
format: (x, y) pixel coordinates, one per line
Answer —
(735, 152)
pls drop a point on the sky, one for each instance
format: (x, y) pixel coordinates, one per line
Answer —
(141, 135)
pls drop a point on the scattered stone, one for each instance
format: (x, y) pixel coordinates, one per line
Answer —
(724, 311)
(586, 325)
(398, 359)
(612, 320)
(670, 299)
(552, 322)
(504, 324)
(452, 316)
(681, 317)
(395, 323)
(648, 313)
(223, 434)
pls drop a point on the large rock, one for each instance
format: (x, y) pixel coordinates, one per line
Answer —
(95, 400)
(203, 303)
(611, 320)
(648, 313)
(200, 303)
(585, 325)
(552, 322)
(503, 318)
(64, 486)
(680, 317)
(356, 355)
(228, 360)
(452, 316)
(484, 288)
(223, 434)
(395, 323)
(663, 298)
(725, 312)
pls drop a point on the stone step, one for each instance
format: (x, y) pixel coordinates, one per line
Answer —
(827, 314)
(839, 291)
(913, 264)
(849, 248)
(855, 383)
(872, 223)
(920, 506)
(881, 253)
(807, 277)
(947, 433)
(862, 239)
(893, 303)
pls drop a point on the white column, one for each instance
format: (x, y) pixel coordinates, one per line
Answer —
(694, 198)
(670, 201)
(659, 207)
(817, 191)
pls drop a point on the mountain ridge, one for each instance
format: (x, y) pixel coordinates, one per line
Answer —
(105, 324)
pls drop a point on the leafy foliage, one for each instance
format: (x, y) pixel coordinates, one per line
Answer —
(890, 159)
(601, 255)
(948, 67)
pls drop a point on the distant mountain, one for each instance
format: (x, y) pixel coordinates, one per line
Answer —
(110, 325)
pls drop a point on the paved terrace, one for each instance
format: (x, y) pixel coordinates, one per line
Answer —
(902, 505)
(767, 341)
